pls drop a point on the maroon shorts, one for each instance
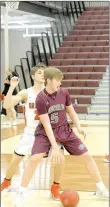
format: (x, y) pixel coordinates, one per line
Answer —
(63, 135)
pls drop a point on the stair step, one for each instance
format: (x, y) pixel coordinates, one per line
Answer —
(101, 89)
(101, 101)
(105, 93)
(100, 96)
(99, 109)
(100, 106)
(104, 81)
(83, 73)
(80, 30)
(100, 116)
(104, 84)
(106, 77)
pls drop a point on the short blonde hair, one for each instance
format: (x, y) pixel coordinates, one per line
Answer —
(51, 73)
(9, 70)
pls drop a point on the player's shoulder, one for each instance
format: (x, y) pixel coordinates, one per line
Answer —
(63, 90)
(29, 89)
(41, 95)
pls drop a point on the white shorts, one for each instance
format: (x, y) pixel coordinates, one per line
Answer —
(25, 145)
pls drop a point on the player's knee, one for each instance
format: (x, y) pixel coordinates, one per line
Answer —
(37, 157)
(87, 157)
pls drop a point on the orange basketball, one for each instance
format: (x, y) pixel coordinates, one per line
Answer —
(69, 198)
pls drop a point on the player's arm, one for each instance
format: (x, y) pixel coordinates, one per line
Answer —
(73, 115)
(10, 100)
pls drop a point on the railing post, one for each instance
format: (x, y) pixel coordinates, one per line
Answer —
(34, 62)
(53, 38)
(58, 34)
(72, 11)
(29, 66)
(65, 20)
(23, 74)
(68, 13)
(75, 6)
(63, 35)
(79, 7)
(45, 54)
(83, 4)
(48, 44)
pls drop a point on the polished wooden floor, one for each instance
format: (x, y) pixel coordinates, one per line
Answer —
(75, 175)
(43, 199)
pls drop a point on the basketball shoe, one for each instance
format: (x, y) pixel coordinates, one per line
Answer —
(5, 184)
(104, 194)
(55, 191)
(19, 200)
(107, 158)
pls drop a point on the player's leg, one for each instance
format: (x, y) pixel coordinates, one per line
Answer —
(107, 158)
(27, 175)
(8, 114)
(22, 148)
(93, 170)
(76, 147)
(40, 149)
(59, 167)
(6, 183)
(58, 171)
(30, 168)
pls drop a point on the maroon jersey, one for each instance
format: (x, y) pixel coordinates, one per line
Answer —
(55, 105)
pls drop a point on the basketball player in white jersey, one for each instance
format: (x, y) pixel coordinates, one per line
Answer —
(25, 144)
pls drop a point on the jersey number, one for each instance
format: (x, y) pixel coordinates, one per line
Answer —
(54, 118)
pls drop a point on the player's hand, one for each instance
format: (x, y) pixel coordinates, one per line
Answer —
(7, 81)
(56, 155)
(14, 81)
(81, 131)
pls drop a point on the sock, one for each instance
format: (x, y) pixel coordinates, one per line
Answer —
(56, 183)
(100, 185)
(7, 179)
(22, 189)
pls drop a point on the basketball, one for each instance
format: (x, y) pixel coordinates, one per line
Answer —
(69, 198)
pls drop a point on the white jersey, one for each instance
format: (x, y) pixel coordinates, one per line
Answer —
(32, 120)
(30, 112)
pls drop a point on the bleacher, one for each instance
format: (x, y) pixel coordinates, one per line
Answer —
(84, 56)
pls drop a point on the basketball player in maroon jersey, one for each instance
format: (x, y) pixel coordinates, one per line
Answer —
(52, 105)
(25, 144)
